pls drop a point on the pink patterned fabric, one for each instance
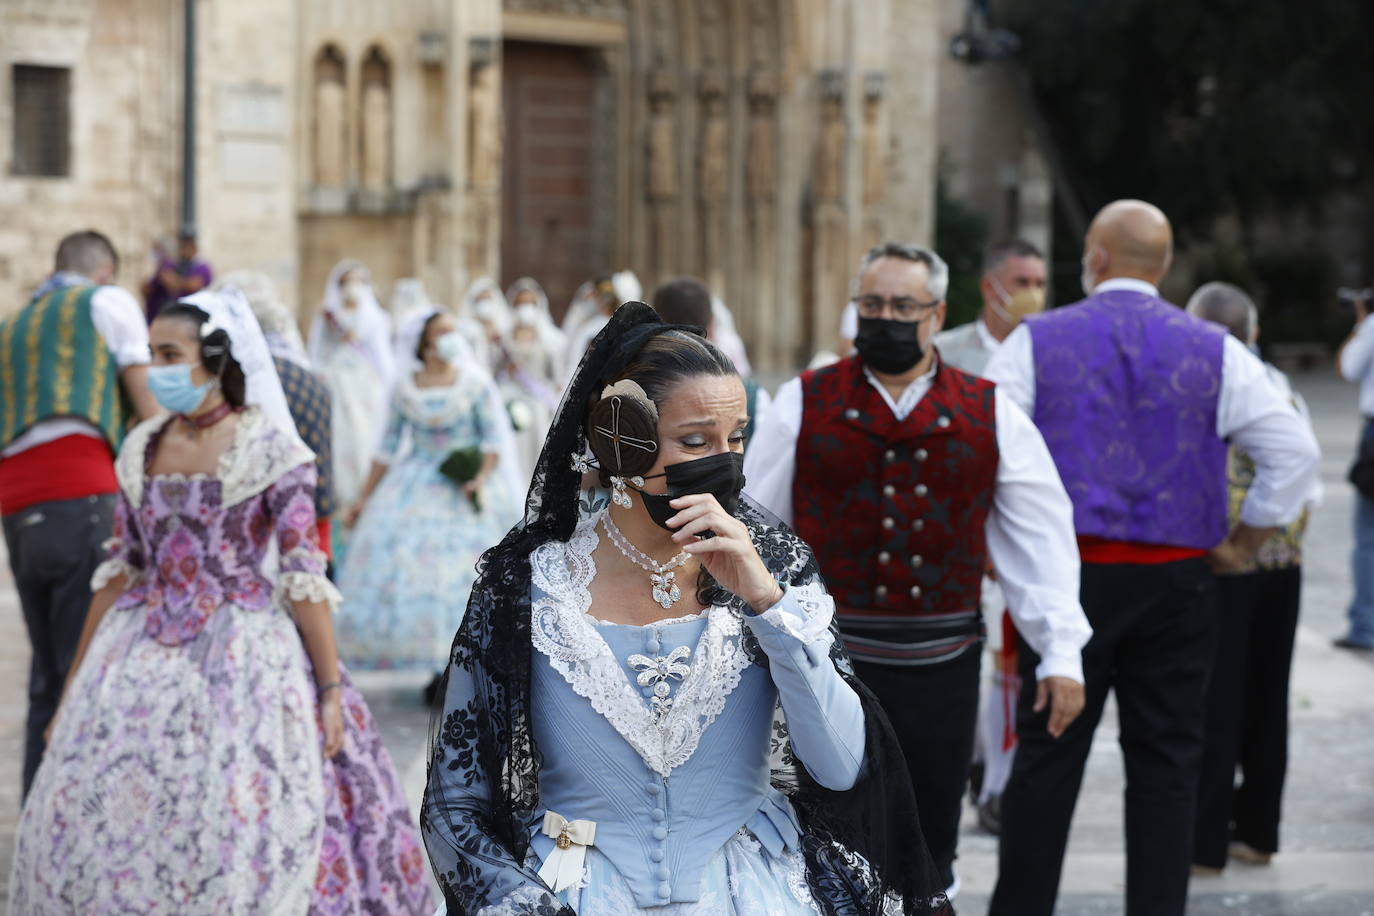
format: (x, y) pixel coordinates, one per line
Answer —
(185, 772)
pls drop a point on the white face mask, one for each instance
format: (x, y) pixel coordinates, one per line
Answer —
(450, 347)
(527, 314)
(353, 291)
(485, 309)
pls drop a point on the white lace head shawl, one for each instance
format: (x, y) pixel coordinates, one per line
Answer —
(484, 289)
(409, 327)
(551, 340)
(372, 322)
(407, 295)
(277, 322)
(229, 310)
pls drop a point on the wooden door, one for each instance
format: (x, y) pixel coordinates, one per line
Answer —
(548, 178)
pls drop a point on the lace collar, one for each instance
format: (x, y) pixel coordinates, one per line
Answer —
(442, 405)
(257, 458)
(563, 631)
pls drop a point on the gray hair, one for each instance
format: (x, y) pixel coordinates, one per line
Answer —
(86, 252)
(1228, 306)
(938, 282)
(1002, 252)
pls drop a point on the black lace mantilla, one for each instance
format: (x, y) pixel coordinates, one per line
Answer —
(864, 848)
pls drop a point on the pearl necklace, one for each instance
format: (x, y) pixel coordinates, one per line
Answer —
(661, 576)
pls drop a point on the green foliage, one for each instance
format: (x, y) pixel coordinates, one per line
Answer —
(1204, 107)
(1254, 109)
(960, 235)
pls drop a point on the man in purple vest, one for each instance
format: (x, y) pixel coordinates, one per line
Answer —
(1136, 400)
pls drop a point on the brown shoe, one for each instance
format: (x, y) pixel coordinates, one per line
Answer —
(1244, 852)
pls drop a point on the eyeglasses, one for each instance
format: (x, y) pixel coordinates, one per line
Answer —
(904, 308)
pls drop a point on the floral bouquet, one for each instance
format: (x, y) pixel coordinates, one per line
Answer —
(462, 466)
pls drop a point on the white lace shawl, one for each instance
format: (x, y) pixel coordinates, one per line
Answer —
(563, 630)
(243, 471)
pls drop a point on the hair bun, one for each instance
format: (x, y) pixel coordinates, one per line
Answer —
(622, 430)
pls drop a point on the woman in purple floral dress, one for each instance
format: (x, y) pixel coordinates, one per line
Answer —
(210, 754)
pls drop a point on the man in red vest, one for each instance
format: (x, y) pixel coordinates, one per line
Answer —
(73, 373)
(906, 476)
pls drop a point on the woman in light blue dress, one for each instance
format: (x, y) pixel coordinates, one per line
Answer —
(418, 532)
(647, 710)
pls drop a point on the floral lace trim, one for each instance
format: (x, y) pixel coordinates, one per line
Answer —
(417, 404)
(112, 569)
(817, 607)
(522, 901)
(667, 622)
(303, 586)
(256, 459)
(562, 630)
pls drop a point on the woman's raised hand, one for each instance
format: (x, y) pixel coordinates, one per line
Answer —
(730, 556)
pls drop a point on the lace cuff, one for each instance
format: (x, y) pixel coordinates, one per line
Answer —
(804, 613)
(112, 569)
(301, 586)
(523, 901)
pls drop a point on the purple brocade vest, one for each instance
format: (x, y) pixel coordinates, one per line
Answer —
(1126, 389)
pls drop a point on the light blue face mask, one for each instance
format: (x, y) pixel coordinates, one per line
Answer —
(172, 387)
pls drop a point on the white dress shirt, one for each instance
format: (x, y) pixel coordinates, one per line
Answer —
(119, 320)
(1251, 413)
(1029, 529)
(968, 346)
(1357, 364)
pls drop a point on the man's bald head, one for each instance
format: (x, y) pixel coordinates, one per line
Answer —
(1229, 307)
(1128, 238)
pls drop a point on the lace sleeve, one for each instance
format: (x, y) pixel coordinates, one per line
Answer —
(124, 555)
(291, 502)
(476, 871)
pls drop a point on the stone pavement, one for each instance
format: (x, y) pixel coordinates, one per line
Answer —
(1326, 867)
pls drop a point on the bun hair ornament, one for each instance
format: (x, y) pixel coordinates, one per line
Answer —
(622, 431)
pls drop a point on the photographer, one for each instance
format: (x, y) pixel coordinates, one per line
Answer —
(1356, 364)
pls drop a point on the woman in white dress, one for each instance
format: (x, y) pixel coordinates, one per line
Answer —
(350, 347)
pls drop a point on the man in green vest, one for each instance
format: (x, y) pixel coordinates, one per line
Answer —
(73, 376)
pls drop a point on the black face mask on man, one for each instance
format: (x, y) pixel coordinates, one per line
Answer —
(888, 345)
(720, 475)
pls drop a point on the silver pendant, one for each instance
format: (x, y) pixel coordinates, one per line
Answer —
(666, 592)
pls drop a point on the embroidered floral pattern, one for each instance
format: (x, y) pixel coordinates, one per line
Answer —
(189, 747)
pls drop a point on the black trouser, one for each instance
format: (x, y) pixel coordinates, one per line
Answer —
(54, 549)
(1153, 632)
(1247, 714)
(934, 711)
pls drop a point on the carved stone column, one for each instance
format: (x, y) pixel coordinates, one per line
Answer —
(485, 153)
(713, 179)
(761, 186)
(830, 236)
(874, 162)
(662, 171)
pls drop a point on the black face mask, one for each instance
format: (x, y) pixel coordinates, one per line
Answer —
(720, 475)
(890, 346)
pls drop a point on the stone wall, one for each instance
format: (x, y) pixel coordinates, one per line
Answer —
(761, 144)
(125, 167)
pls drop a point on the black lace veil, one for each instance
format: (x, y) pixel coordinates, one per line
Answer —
(864, 848)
